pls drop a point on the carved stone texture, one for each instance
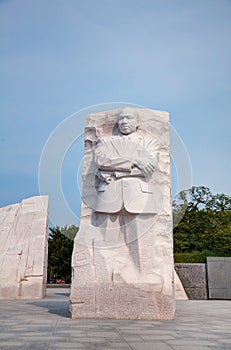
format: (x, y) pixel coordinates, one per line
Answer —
(180, 293)
(23, 249)
(122, 262)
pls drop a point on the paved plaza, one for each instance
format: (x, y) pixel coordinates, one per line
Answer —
(46, 324)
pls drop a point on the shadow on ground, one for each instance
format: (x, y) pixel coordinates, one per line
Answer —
(63, 294)
(57, 307)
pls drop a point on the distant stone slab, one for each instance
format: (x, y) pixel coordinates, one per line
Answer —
(23, 249)
(219, 281)
(193, 278)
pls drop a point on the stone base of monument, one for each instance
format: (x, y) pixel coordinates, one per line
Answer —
(107, 283)
(23, 249)
(125, 301)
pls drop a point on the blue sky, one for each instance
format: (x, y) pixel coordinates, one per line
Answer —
(58, 57)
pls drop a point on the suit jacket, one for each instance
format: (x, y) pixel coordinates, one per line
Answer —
(121, 184)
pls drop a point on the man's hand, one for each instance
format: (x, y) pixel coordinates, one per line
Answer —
(103, 176)
(107, 179)
(146, 167)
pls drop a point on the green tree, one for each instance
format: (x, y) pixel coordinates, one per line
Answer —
(60, 246)
(205, 225)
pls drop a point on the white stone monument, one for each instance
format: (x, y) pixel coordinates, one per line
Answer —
(122, 262)
(23, 249)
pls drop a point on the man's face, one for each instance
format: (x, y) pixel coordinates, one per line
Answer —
(127, 123)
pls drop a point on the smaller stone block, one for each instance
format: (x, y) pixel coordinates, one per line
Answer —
(193, 278)
(179, 289)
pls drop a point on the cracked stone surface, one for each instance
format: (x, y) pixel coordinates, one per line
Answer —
(23, 249)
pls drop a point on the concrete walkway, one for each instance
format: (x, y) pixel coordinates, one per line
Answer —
(45, 324)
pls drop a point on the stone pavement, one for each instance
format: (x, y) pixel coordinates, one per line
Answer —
(45, 324)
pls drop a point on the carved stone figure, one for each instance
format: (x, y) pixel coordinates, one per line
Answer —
(122, 260)
(125, 164)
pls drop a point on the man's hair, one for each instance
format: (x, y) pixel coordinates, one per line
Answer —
(130, 110)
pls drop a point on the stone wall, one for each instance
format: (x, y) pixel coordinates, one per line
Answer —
(194, 280)
(23, 249)
(219, 277)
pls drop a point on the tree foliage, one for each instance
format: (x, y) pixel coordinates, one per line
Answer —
(205, 227)
(60, 246)
(202, 227)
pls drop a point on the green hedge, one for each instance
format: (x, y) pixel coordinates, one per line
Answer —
(193, 257)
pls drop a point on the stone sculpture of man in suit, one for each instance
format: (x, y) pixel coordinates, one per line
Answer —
(122, 260)
(126, 163)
